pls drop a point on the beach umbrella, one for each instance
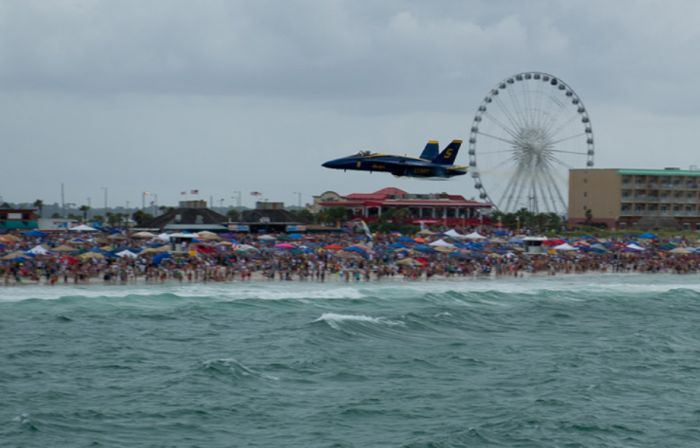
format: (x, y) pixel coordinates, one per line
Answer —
(242, 248)
(407, 262)
(420, 240)
(266, 238)
(426, 232)
(91, 256)
(14, 255)
(405, 239)
(206, 235)
(647, 236)
(474, 236)
(635, 247)
(116, 237)
(445, 249)
(295, 236)
(356, 249)
(64, 248)
(158, 258)
(284, 246)
(422, 248)
(333, 247)
(155, 250)
(9, 238)
(680, 250)
(564, 247)
(35, 234)
(83, 228)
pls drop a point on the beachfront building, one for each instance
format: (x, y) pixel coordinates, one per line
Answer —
(192, 216)
(641, 198)
(434, 208)
(17, 218)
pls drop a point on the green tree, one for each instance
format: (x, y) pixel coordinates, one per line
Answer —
(233, 214)
(334, 215)
(39, 204)
(141, 217)
(84, 209)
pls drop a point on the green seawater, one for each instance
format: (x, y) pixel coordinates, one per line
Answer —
(579, 361)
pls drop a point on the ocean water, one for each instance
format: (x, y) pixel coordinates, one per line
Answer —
(577, 361)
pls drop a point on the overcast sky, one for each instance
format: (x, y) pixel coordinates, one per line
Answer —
(227, 96)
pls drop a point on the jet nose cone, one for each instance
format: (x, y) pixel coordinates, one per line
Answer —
(336, 163)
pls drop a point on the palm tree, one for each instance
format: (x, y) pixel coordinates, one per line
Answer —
(84, 209)
(39, 204)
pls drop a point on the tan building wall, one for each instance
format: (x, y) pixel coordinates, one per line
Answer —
(598, 190)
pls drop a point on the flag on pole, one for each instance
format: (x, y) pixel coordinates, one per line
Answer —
(183, 192)
(194, 191)
(255, 193)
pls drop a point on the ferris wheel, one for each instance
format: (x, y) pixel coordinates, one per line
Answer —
(529, 130)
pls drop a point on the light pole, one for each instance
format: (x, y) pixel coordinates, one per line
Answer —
(298, 197)
(238, 199)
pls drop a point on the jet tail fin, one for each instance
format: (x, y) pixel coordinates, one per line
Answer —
(449, 154)
(432, 148)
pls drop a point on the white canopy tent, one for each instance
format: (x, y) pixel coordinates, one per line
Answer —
(441, 243)
(83, 228)
(452, 233)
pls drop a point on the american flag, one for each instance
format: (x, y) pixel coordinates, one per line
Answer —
(255, 193)
(194, 191)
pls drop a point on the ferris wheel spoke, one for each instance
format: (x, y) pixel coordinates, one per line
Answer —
(521, 190)
(506, 112)
(555, 186)
(527, 102)
(509, 191)
(522, 123)
(571, 137)
(505, 128)
(548, 194)
(554, 116)
(509, 142)
(568, 152)
(563, 126)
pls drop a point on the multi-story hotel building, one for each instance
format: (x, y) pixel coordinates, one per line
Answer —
(622, 198)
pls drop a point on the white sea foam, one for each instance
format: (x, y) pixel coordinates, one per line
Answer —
(590, 284)
(334, 319)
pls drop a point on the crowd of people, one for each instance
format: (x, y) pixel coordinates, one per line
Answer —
(74, 257)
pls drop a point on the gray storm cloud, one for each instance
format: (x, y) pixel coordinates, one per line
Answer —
(238, 96)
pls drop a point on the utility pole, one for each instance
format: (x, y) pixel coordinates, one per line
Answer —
(298, 197)
(143, 200)
(238, 199)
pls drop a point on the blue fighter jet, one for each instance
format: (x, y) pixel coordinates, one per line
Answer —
(430, 164)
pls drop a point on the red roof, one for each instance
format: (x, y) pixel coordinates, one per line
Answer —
(378, 195)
